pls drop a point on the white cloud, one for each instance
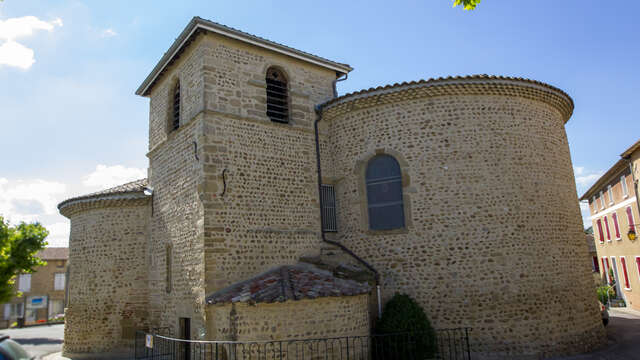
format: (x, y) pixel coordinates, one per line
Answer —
(109, 176)
(14, 28)
(13, 53)
(58, 234)
(584, 179)
(588, 180)
(108, 33)
(584, 206)
(28, 200)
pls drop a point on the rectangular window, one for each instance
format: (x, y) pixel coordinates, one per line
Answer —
(616, 227)
(606, 226)
(168, 268)
(596, 268)
(12, 311)
(606, 269)
(56, 308)
(601, 200)
(610, 194)
(595, 205)
(623, 182)
(24, 282)
(600, 233)
(58, 281)
(623, 263)
(328, 196)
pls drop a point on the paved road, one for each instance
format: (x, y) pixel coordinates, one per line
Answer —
(623, 334)
(38, 340)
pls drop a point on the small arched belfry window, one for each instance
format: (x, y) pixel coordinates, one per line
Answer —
(384, 193)
(175, 114)
(277, 102)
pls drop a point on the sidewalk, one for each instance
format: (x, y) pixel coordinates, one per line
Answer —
(626, 311)
(54, 356)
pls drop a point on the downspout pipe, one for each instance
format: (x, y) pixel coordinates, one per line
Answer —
(318, 110)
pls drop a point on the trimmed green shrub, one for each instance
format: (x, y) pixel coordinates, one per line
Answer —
(403, 315)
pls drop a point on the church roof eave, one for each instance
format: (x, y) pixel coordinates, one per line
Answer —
(196, 24)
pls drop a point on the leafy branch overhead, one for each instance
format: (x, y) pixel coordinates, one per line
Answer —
(18, 247)
(466, 4)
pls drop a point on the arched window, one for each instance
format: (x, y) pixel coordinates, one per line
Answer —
(175, 115)
(384, 193)
(277, 102)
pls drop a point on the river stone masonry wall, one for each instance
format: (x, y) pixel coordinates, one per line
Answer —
(108, 294)
(264, 211)
(493, 238)
(326, 317)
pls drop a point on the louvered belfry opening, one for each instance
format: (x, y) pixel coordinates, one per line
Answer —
(277, 102)
(175, 124)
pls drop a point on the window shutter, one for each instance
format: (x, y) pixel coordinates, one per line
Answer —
(595, 264)
(606, 226)
(328, 196)
(601, 200)
(630, 216)
(600, 233)
(624, 272)
(603, 268)
(614, 217)
(638, 264)
(610, 194)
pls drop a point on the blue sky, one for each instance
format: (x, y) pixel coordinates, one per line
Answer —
(71, 123)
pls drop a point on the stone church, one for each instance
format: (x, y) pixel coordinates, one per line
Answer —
(276, 209)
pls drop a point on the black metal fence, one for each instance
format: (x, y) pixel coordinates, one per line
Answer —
(449, 344)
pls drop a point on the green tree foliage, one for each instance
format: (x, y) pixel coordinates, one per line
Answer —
(18, 246)
(605, 293)
(466, 4)
(403, 315)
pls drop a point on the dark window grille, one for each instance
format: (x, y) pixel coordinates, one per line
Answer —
(175, 124)
(384, 193)
(328, 195)
(277, 101)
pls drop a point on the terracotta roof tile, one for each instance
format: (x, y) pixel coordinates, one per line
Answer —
(288, 282)
(436, 81)
(54, 253)
(130, 187)
(197, 24)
